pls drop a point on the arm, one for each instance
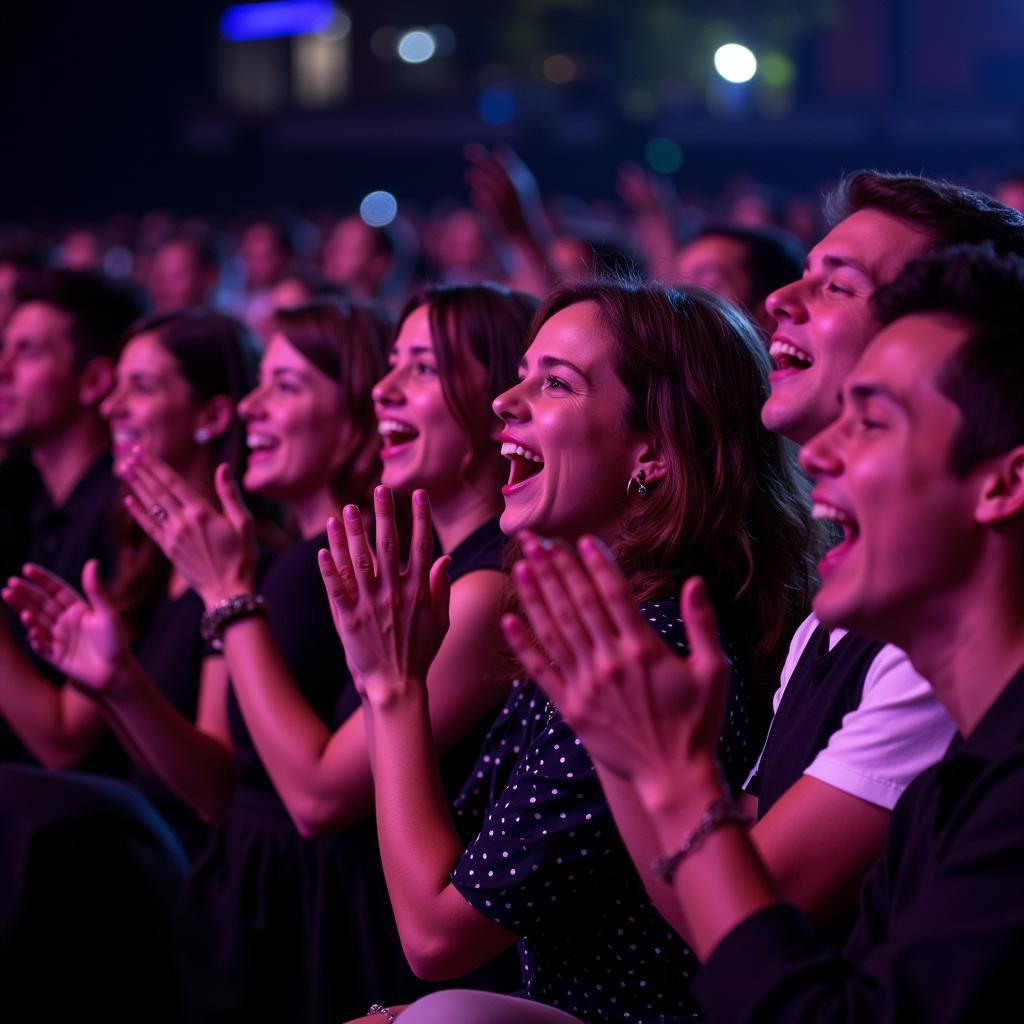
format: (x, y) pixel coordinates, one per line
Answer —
(392, 626)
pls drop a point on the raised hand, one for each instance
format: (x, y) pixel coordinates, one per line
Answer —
(214, 549)
(642, 711)
(390, 622)
(82, 637)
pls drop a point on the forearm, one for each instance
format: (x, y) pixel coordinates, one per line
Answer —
(197, 767)
(323, 779)
(59, 726)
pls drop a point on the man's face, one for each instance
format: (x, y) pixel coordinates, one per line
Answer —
(825, 319)
(882, 472)
(718, 264)
(38, 380)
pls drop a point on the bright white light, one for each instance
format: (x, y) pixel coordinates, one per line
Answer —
(416, 46)
(735, 63)
(378, 209)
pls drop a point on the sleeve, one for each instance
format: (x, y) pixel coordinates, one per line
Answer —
(796, 651)
(953, 956)
(546, 843)
(898, 730)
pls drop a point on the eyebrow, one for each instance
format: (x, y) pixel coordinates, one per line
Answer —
(837, 262)
(288, 371)
(546, 362)
(863, 392)
(415, 350)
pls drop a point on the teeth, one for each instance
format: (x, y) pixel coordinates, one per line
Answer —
(395, 427)
(508, 449)
(258, 441)
(784, 348)
(822, 511)
(124, 436)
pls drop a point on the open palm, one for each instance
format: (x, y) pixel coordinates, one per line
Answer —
(82, 638)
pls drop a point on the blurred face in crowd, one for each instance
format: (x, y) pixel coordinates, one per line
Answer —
(296, 428)
(825, 319)
(153, 407)
(718, 264)
(883, 472)
(8, 292)
(41, 391)
(266, 259)
(570, 453)
(353, 257)
(423, 444)
(178, 279)
(81, 250)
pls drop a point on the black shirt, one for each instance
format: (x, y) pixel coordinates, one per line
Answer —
(940, 936)
(546, 862)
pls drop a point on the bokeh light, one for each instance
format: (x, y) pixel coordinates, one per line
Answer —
(735, 63)
(378, 209)
(496, 106)
(416, 46)
(776, 70)
(663, 155)
(338, 28)
(559, 68)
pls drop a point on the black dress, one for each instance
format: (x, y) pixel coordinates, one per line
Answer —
(546, 862)
(293, 929)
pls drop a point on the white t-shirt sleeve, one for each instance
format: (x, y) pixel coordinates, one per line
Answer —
(898, 729)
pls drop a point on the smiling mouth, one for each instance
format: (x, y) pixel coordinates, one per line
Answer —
(395, 435)
(260, 445)
(787, 356)
(524, 465)
(849, 527)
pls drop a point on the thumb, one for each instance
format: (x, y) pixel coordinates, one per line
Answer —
(230, 496)
(706, 655)
(94, 590)
(440, 587)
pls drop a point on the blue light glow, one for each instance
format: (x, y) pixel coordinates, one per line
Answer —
(378, 209)
(496, 106)
(241, 22)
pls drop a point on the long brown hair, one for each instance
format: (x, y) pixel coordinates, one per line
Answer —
(346, 341)
(732, 506)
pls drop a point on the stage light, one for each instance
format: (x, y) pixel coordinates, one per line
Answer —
(338, 28)
(735, 63)
(242, 22)
(416, 46)
(378, 209)
(663, 155)
(496, 106)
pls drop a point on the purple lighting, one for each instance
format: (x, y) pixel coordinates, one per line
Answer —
(241, 22)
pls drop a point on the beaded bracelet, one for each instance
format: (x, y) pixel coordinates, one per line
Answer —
(377, 1008)
(719, 813)
(215, 619)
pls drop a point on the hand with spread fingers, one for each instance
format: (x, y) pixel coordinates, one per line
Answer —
(390, 622)
(214, 549)
(82, 637)
(642, 711)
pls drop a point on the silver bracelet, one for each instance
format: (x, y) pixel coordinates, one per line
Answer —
(719, 813)
(377, 1008)
(215, 619)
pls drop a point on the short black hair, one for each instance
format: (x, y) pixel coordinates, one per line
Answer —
(99, 307)
(774, 258)
(947, 213)
(985, 376)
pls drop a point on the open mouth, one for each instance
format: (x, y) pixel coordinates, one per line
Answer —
(395, 435)
(124, 439)
(525, 464)
(788, 356)
(850, 533)
(260, 445)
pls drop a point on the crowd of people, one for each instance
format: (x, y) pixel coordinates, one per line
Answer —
(647, 599)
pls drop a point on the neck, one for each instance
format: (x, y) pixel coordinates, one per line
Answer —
(464, 511)
(312, 512)
(969, 643)
(64, 459)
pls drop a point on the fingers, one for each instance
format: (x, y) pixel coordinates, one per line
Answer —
(60, 590)
(360, 558)
(387, 536)
(149, 484)
(143, 515)
(584, 595)
(706, 656)
(173, 486)
(28, 601)
(532, 658)
(92, 587)
(422, 547)
(611, 585)
(229, 494)
(337, 590)
(561, 605)
(539, 615)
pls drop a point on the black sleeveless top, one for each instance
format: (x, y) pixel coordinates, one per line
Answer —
(825, 685)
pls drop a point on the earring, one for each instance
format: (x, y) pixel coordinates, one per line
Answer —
(641, 485)
(202, 435)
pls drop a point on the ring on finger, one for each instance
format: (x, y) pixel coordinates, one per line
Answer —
(158, 512)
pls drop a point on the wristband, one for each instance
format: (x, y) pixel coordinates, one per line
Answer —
(719, 813)
(222, 614)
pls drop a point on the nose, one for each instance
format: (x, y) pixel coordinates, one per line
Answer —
(787, 302)
(387, 391)
(821, 456)
(110, 405)
(511, 405)
(248, 405)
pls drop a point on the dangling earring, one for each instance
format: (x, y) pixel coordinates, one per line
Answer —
(202, 435)
(641, 486)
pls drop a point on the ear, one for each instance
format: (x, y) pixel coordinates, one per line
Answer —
(216, 416)
(95, 381)
(649, 458)
(1001, 496)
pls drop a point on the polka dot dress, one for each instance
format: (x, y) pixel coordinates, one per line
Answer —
(545, 861)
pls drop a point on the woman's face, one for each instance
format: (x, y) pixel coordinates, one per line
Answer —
(152, 405)
(296, 430)
(423, 445)
(571, 455)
